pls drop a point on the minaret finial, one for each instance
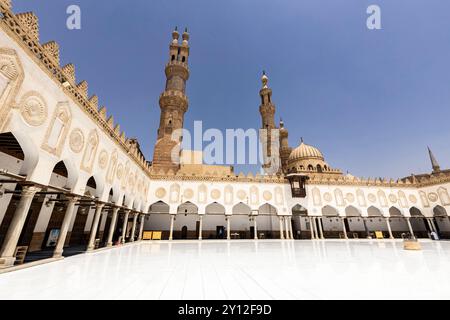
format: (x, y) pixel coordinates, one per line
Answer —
(175, 36)
(265, 80)
(185, 37)
(301, 140)
(434, 163)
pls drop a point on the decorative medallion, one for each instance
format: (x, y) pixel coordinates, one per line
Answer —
(119, 171)
(433, 197)
(33, 108)
(76, 140)
(160, 193)
(327, 197)
(215, 194)
(412, 198)
(350, 197)
(393, 198)
(241, 194)
(131, 180)
(188, 194)
(372, 198)
(103, 159)
(267, 195)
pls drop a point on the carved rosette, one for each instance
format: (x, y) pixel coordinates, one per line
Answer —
(160, 193)
(103, 159)
(215, 194)
(267, 195)
(33, 108)
(241, 194)
(76, 140)
(412, 198)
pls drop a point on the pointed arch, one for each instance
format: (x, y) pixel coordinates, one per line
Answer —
(443, 196)
(339, 197)
(159, 207)
(402, 199)
(329, 211)
(352, 211)
(187, 208)
(174, 193)
(229, 198)
(202, 195)
(241, 209)
(395, 212)
(317, 197)
(439, 211)
(58, 129)
(424, 199)
(299, 210)
(415, 213)
(267, 209)
(361, 198)
(382, 198)
(373, 211)
(215, 208)
(254, 195)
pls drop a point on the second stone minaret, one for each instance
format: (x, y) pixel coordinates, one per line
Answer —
(269, 136)
(174, 104)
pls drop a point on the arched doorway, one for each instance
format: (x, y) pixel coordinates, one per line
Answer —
(184, 232)
(214, 222)
(398, 223)
(268, 226)
(240, 221)
(357, 227)
(187, 214)
(300, 222)
(332, 223)
(422, 227)
(441, 222)
(159, 220)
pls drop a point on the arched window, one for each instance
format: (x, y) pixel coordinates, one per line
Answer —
(183, 59)
(319, 168)
(173, 57)
(310, 168)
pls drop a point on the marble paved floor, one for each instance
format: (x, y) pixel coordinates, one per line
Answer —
(269, 269)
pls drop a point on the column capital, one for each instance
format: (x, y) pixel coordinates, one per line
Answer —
(30, 190)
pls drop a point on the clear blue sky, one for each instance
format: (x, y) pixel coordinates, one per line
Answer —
(370, 100)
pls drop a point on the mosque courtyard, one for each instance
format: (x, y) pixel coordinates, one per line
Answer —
(221, 270)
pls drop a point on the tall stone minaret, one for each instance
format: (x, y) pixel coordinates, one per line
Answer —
(174, 104)
(269, 141)
(285, 150)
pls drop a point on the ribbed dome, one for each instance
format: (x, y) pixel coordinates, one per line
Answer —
(304, 152)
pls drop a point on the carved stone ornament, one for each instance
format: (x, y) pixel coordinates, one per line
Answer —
(433, 197)
(328, 197)
(412, 198)
(215, 194)
(188, 194)
(241, 194)
(120, 171)
(160, 193)
(103, 159)
(76, 140)
(33, 108)
(267, 195)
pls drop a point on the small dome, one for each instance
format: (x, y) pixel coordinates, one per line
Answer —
(305, 152)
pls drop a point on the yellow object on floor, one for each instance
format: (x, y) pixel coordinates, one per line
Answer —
(411, 245)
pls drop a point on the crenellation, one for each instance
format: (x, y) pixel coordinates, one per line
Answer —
(53, 49)
(30, 22)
